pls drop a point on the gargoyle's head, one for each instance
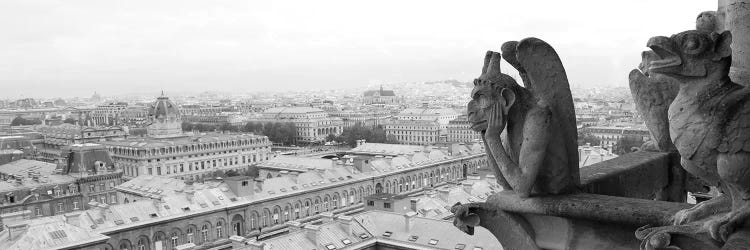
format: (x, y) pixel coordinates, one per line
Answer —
(491, 87)
(693, 54)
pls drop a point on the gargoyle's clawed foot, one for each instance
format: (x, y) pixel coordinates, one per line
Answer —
(702, 210)
(690, 236)
(721, 228)
(466, 217)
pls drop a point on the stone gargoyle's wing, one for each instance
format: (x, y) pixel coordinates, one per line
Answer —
(652, 98)
(544, 76)
(736, 138)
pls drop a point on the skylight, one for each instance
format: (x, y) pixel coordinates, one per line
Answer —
(387, 234)
(58, 234)
(346, 241)
(433, 242)
(364, 236)
(460, 246)
(330, 247)
(413, 238)
(153, 215)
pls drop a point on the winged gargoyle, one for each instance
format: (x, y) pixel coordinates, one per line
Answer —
(529, 132)
(709, 123)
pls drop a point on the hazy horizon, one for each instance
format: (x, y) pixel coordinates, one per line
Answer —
(65, 48)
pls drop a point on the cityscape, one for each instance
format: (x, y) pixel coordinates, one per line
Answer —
(331, 125)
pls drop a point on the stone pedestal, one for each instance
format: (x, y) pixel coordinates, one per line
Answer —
(736, 15)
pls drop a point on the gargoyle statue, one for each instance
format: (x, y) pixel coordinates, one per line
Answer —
(709, 124)
(537, 153)
(529, 134)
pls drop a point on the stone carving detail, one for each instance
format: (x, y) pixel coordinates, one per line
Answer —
(709, 124)
(529, 132)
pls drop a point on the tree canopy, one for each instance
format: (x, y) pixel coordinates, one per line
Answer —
(350, 135)
(19, 121)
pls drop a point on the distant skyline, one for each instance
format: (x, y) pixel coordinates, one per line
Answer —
(73, 48)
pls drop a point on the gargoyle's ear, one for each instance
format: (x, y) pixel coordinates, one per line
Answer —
(723, 48)
(508, 97)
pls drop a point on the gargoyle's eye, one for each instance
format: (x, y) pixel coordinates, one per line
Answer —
(693, 44)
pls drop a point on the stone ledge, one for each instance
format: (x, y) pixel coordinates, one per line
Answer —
(600, 208)
(638, 175)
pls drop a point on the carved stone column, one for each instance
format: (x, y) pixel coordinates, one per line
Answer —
(736, 15)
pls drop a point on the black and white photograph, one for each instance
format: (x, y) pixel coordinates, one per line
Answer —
(374, 125)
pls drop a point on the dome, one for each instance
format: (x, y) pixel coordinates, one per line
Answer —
(163, 108)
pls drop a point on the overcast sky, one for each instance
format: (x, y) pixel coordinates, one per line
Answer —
(73, 48)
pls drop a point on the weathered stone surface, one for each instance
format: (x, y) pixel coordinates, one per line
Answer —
(640, 175)
(709, 124)
(529, 133)
(737, 21)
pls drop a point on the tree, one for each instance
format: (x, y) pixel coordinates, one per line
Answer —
(186, 126)
(584, 138)
(69, 121)
(228, 127)
(279, 132)
(626, 144)
(20, 121)
(376, 135)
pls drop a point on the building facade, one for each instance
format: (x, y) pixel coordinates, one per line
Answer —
(380, 97)
(313, 124)
(459, 130)
(58, 137)
(189, 157)
(414, 132)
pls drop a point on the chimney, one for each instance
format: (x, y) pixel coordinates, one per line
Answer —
(73, 219)
(361, 164)
(14, 217)
(293, 226)
(413, 205)
(326, 217)
(346, 223)
(443, 193)
(409, 221)
(16, 230)
(312, 232)
(238, 242)
(467, 187)
(254, 245)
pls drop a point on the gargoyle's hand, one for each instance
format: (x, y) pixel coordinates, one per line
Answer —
(465, 217)
(495, 123)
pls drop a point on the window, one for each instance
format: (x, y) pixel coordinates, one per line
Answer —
(413, 238)
(346, 241)
(433, 242)
(113, 198)
(460, 246)
(141, 244)
(218, 230)
(190, 235)
(75, 205)
(204, 233)
(478, 248)
(59, 207)
(103, 199)
(174, 239)
(92, 188)
(111, 184)
(370, 203)
(330, 246)
(38, 211)
(387, 234)
(386, 205)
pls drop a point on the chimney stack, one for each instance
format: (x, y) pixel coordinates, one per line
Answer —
(326, 217)
(409, 221)
(467, 187)
(294, 226)
(346, 223)
(254, 245)
(73, 219)
(413, 205)
(312, 232)
(238, 242)
(16, 230)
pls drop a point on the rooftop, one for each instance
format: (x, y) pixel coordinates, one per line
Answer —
(292, 110)
(21, 168)
(149, 143)
(48, 233)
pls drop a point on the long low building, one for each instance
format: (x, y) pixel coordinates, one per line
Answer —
(189, 157)
(209, 216)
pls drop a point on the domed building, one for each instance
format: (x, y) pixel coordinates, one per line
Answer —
(164, 117)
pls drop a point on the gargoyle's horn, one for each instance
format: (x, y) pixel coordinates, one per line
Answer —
(486, 61)
(494, 67)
